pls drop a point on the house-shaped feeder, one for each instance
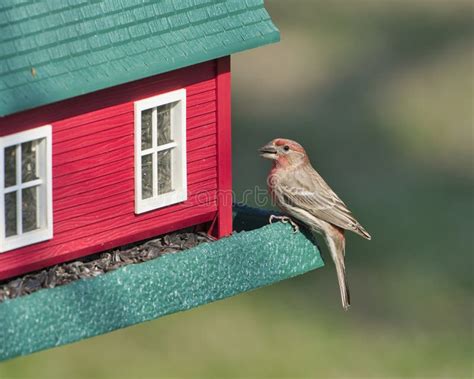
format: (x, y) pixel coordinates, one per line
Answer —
(116, 122)
(115, 127)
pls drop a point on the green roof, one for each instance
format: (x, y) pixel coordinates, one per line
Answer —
(55, 50)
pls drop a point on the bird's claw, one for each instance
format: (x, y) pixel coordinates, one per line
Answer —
(285, 220)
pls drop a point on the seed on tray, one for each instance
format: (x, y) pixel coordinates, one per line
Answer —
(100, 263)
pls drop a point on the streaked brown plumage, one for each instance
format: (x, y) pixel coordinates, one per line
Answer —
(299, 191)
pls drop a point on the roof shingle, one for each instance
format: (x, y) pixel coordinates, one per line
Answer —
(69, 43)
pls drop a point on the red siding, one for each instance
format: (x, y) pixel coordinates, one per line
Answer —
(224, 148)
(93, 173)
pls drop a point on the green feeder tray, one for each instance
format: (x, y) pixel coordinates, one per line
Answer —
(255, 256)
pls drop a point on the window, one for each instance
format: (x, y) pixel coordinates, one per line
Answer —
(26, 214)
(160, 151)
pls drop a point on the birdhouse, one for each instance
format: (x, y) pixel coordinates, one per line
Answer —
(115, 122)
(115, 127)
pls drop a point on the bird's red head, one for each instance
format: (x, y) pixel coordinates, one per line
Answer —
(284, 152)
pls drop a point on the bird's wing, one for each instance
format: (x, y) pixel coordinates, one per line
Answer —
(306, 189)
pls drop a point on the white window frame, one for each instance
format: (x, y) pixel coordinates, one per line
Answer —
(178, 157)
(45, 201)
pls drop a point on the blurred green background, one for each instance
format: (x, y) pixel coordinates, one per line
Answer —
(380, 93)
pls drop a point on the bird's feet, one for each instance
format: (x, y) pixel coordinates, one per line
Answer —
(285, 220)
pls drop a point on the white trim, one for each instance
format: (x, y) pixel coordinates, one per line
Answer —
(2, 196)
(178, 151)
(152, 150)
(44, 184)
(29, 184)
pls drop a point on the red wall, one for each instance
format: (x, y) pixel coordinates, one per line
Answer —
(93, 166)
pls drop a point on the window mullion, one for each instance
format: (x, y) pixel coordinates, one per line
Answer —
(166, 146)
(32, 183)
(19, 223)
(147, 151)
(11, 189)
(154, 137)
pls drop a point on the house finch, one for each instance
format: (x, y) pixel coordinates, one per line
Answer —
(300, 192)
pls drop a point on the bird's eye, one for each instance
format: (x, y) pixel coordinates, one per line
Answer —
(286, 148)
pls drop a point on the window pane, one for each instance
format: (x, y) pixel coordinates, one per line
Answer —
(10, 166)
(164, 171)
(29, 209)
(147, 129)
(164, 124)
(147, 176)
(28, 161)
(10, 214)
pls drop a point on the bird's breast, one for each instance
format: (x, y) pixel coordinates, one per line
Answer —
(273, 181)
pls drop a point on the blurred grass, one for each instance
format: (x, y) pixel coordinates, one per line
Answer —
(380, 93)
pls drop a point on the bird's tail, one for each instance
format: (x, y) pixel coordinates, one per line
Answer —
(362, 232)
(337, 246)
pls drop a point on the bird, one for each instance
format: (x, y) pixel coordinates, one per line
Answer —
(302, 194)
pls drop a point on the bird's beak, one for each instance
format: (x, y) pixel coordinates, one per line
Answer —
(268, 151)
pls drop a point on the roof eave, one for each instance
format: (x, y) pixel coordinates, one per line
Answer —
(56, 95)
